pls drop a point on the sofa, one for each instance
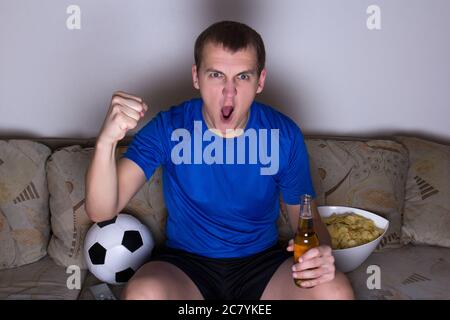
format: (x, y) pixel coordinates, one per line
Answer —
(405, 179)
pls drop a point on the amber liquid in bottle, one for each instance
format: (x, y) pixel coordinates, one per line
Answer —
(305, 236)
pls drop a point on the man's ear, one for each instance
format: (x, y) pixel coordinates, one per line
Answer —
(261, 81)
(195, 77)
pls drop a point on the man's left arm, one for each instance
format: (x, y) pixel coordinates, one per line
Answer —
(316, 264)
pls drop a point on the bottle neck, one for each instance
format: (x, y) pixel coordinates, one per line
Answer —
(305, 207)
(305, 211)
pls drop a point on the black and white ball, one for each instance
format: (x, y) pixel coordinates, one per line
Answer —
(115, 249)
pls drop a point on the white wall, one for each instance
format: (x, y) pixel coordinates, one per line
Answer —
(325, 68)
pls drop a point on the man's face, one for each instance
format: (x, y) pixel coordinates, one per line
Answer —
(228, 83)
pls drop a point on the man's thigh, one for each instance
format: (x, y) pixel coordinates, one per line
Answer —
(282, 286)
(160, 280)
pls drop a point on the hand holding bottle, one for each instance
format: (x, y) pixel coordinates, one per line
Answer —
(312, 263)
(315, 266)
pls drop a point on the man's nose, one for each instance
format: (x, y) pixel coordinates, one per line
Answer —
(229, 89)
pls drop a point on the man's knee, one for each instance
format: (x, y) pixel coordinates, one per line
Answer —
(148, 289)
(337, 289)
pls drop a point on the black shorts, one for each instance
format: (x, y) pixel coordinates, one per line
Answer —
(230, 278)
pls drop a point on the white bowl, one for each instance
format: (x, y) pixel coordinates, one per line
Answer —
(349, 259)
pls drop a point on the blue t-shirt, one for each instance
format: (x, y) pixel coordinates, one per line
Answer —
(222, 194)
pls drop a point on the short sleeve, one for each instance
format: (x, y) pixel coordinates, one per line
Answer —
(146, 148)
(295, 178)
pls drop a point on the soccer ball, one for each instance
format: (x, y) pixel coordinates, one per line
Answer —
(116, 248)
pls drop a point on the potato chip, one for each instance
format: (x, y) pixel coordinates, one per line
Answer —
(350, 230)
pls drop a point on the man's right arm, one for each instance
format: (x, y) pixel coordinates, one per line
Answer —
(109, 187)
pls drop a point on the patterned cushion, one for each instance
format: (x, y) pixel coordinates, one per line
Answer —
(410, 272)
(41, 280)
(24, 212)
(369, 175)
(427, 199)
(66, 182)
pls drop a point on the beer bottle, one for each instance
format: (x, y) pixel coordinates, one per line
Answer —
(305, 236)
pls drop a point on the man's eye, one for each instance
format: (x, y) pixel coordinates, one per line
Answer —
(244, 77)
(215, 75)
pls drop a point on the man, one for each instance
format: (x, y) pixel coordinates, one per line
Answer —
(222, 207)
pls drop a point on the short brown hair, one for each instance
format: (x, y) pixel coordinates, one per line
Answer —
(233, 36)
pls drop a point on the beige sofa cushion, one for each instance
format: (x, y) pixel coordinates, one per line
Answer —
(41, 280)
(66, 178)
(369, 175)
(427, 199)
(410, 272)
(24, 212)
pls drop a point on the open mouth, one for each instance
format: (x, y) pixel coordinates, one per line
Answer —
(226, 112)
